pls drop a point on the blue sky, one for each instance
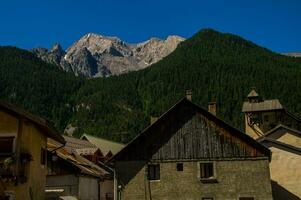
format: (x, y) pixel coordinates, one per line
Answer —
(274, 24)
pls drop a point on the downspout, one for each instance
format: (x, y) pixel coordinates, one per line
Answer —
(116, 196)
(115, 185)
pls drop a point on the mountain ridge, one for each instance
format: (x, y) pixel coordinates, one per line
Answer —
(107, 55)
(215, 66)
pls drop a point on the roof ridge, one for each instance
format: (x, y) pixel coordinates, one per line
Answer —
(85, 134)
(209, 115)
(274, 129)
(282, 144)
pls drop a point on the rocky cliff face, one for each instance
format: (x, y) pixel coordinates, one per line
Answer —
(96, 55)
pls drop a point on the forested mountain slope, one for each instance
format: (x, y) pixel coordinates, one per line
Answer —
(216, 66)
(41, 88)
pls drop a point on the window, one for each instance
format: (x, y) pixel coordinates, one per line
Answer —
(180, 167)
(206, 170)
(246, 198)
(43, 156)
(7, 145)
(154, 172)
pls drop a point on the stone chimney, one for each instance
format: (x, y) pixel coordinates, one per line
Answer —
(212, 107)
(189, 95)
(153, 119)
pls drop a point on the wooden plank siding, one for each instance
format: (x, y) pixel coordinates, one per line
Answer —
(198, 138)
(187, 131)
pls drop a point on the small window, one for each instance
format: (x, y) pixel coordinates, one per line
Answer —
(154, 172)
(43, 156)
(206, 170)
(246, 198)
(180, 167)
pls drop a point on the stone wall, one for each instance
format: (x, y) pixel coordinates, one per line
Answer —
(234, 179)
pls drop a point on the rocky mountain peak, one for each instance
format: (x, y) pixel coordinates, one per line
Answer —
(57, 48)
(97, 55)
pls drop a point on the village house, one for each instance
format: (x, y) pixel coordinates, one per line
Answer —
(189, 153)
(279, 130)
(72, 175)
(23, 140)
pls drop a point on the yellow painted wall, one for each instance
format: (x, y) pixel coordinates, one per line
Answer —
(290, 139)
(250, 130)
(8, 124)
(285, 170)
(32, 140)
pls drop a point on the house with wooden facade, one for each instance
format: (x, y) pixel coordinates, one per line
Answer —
(272, 125)
(23, 142)
(189, 153)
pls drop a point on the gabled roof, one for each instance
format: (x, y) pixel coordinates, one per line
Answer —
(278, 127)
(82, 147)
(268, 141)
(253, 93)
(273, 104)
(104, 145)
(84, 165)
(42, 123)
(184, 102)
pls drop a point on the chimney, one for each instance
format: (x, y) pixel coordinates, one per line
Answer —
(153, 119)
(212, 107)
(189, 95)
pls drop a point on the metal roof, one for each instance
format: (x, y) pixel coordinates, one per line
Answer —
(104, 145)
(273, 104)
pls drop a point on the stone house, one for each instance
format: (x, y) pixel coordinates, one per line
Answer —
(23, 140)
(189, 153)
